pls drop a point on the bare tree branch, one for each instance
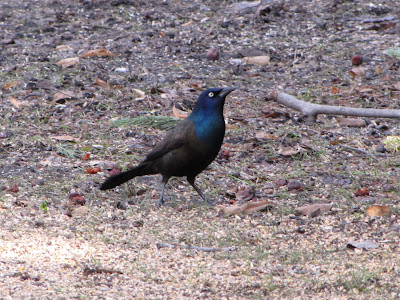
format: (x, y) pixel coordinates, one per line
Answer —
(311, 111)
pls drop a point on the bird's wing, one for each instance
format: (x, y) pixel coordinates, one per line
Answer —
(176, 138)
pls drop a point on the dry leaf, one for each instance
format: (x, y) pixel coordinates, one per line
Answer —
(262, 135)
(367, 244)
(378, 210)
(94, 170)
(244, 193)
(248, 207)
(86, 156)
(187, 23)
(102, 84)
(67, 138)
(314, 209)
(180, 114)
(334, 90)
(64, 95)
(358, 71)
(256, 60)
(15, 102)
(362, 192)
(351, 122)
(101, 52)
(140, 93)
(63, 48)
(378, 70)
(68, 62)
(288, 151)
(10, 85)
(76, 211)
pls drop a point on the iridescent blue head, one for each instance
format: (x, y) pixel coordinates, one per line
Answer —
(207, 116)
(212, 101)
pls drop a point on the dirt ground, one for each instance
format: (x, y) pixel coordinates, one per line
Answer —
(76, 74)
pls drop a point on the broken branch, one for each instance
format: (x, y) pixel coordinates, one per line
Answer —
(311, 111)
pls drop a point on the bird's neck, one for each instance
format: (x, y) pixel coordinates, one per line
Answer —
(209, 126)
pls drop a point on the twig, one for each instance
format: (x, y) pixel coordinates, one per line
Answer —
(190, 247)
(362, 151)
(311, 111)
(89, 271)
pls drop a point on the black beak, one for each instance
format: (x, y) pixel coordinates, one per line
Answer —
(226, 91)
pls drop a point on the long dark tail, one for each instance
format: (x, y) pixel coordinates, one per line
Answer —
(119, 179)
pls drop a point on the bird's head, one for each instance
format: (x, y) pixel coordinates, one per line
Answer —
(212, 100)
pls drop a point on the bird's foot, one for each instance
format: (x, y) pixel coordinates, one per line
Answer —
(160, 202)
(209, 202)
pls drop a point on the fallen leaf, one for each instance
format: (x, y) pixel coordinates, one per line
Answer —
(63, 95)
(351, 122)
(86, 156)
(76, 211)
(68, 62)
(224, 154)
(362, 192)
(288, 151)
(256, 60)
(114, 171)
(187, 23)
(63, 48)
(180, 114)
(93, 170)
(378, 70)
(248, 207)
(280, 182)
(101, 83)
(367, 244)
(76, 198)
(314, 209)
(295, 185)
(67, 138)
(101, 52)
(378, 210)
(13, 189)
(262, 135)
(244, 5)
(232, 191)
(335, 90)
(140, 93)
(358, 71)
(15, 102)
(244, 192)
(10, 85)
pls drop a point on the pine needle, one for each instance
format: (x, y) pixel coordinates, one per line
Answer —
(157, 122)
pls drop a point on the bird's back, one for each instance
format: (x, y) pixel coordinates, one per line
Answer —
(187, 149)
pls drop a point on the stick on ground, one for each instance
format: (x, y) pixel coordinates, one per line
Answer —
(311, 111)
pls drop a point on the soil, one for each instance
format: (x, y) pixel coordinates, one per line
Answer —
(76, 74)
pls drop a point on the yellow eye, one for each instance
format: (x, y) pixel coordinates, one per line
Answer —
(210, 94)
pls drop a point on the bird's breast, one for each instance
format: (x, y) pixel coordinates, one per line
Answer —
(210, 132)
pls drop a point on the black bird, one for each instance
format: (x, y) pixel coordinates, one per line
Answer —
(188, 148)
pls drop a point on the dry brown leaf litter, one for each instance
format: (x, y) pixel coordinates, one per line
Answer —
(163, 47)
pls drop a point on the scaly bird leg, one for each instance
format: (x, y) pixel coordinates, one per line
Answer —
(164, 182)
(197, 189)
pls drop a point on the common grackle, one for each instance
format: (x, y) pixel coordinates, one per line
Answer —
(188, 148)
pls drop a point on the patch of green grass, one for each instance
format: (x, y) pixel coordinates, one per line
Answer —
(360, 280)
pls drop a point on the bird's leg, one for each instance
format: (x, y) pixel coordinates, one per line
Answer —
(197, 189)
(164, 182)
